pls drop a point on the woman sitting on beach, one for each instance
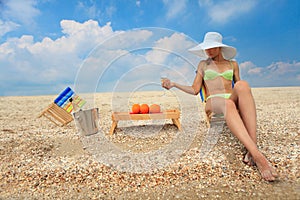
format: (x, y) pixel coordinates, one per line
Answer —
(237, 104)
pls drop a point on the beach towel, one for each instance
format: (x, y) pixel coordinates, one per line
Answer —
(67, 99)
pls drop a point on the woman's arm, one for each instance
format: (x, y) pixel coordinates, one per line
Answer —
(193, 89)
(236, 70)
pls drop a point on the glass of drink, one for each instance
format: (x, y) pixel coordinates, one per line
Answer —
(162, 79)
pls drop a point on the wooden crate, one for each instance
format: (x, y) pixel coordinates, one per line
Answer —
(174, 115)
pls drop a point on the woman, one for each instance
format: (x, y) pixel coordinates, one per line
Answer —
(237, 104)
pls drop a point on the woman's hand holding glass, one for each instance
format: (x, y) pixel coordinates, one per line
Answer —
(166, 83)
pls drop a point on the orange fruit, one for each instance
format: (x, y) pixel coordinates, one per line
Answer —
(154, 108)
(144, 109)
(135, 108)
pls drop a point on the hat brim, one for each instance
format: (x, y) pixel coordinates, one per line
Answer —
(228, 52)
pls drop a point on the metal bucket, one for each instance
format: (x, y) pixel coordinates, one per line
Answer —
(87, 121)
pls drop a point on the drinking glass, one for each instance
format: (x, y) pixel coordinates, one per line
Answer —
(162, 78)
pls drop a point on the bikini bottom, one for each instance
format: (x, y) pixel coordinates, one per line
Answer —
(223, 95)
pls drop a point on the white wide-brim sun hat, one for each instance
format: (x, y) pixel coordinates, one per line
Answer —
(212, 40)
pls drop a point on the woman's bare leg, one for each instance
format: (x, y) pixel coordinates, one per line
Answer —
(243, 98)
(237, 127)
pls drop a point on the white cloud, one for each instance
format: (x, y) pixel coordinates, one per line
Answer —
(110, 11)
(7, 26)
(205, 2)
(138, 3)
(90, 11)
(130, 39)
(50, 61)
(245, 66)
(223, 11)
(17, 13)
(276, 74)
(175, 8)
(280, 68)
(166, 46)
(79, 38)
(20, 11)
(248, 68)
(171, 52)
(256, 70)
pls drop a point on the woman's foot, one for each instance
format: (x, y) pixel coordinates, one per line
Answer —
(267, 172)
(248, 160)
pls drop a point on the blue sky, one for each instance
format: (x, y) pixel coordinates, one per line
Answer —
(118, 45)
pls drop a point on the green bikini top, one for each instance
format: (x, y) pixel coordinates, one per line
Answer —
(210, 74)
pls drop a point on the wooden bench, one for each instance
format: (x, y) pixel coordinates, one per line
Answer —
(174, 115)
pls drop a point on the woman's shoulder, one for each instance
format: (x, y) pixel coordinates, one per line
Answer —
(203, 64)
(201, 67)
(234, 64)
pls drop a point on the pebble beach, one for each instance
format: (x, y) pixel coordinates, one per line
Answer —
(40, 160)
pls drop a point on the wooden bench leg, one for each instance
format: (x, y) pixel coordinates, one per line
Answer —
(113, 127)
(177, 123)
